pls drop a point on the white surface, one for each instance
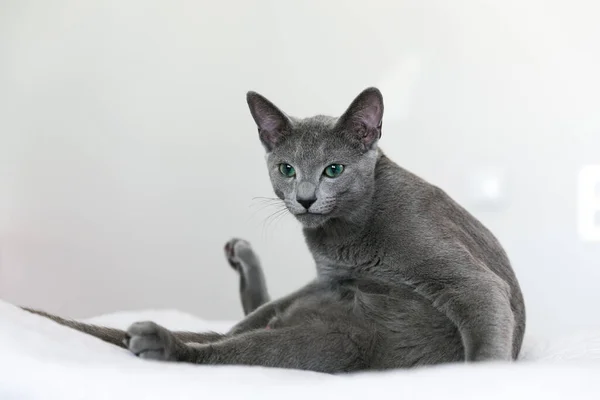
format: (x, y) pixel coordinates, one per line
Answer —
(42, 360)
(128, 156)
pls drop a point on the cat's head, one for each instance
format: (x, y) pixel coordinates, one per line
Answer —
(322, 167)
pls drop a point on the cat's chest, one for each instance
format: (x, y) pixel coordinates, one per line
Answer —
(343, 252)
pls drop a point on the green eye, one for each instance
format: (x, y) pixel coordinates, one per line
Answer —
(287, 170)
(334, 170)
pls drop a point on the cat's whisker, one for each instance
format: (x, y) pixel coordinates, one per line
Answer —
(266, 219)
(263, 203)
(265, 206)
(280, 217)
(270, 217)
(266, 198)
(273, 217)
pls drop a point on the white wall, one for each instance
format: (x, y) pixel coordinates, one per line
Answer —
(128, 157)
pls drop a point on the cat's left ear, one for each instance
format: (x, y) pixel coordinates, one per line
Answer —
(273, 124)
(362, 121)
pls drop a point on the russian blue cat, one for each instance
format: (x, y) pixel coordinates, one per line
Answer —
(405, 276)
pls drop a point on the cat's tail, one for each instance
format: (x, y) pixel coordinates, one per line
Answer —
(118, 337)
(110, 335)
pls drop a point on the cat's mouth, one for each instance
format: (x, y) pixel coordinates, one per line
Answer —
(321, 211)
(311, 219)
(307, 213)
(312, 213)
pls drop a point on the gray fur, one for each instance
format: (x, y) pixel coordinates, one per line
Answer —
(405, 276)
(253, 288)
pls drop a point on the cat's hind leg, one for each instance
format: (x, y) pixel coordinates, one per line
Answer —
(253, 288)
(315, 345)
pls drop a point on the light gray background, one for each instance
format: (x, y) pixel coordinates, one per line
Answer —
(128, 156)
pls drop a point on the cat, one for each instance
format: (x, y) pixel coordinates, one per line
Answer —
(405, 276)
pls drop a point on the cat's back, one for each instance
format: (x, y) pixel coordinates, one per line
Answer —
(422, 217)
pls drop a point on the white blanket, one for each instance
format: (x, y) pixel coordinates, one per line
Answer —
(43, 360)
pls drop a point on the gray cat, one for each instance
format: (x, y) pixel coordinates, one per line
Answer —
(405, 276)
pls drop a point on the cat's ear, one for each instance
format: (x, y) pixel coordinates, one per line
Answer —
(272, 123)
(362, 120)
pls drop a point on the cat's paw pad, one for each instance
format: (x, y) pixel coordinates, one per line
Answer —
(151, 341)
(238, 251)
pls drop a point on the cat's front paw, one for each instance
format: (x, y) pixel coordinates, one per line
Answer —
(151, 341)
(238, 251)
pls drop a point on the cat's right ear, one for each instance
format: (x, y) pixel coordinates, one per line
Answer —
(362, 120)
(272, 123)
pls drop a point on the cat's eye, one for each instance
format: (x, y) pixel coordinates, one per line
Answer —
(287, 170)
(333, 170)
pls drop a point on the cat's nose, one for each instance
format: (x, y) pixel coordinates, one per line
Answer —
(306, 203)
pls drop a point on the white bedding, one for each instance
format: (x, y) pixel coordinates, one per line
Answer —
(42, 360)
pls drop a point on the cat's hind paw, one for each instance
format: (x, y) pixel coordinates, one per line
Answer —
(151, 341)
(238, 252)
